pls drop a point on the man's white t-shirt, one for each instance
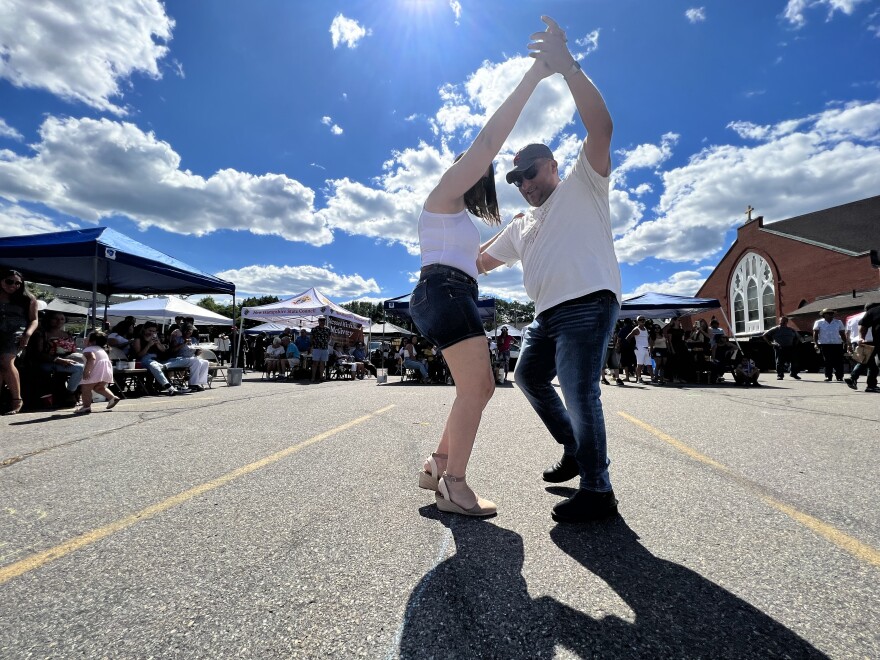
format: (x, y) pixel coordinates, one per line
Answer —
(829, 333)
(852, 329)
(566, 245)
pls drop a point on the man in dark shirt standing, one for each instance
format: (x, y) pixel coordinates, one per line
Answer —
(320, 344)
(784, 340)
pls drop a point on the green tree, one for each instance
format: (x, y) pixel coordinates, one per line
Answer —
(372, 311)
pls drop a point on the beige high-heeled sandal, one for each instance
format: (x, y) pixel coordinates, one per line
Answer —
(428, 480)
(481, 509)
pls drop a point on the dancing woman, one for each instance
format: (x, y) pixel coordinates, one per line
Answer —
(444, 302)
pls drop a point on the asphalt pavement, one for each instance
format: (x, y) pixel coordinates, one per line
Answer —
(283, 520)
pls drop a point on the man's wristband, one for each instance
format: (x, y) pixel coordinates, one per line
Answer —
(575, 67)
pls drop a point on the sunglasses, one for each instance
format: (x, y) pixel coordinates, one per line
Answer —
(528, 174)
(12, 282)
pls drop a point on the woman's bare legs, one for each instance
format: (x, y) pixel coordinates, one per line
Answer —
(9, 375)
(468, 362)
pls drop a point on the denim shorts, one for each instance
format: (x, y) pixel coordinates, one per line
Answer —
(444, 306)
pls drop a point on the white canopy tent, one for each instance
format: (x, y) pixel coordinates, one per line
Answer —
(303, 311)
(512, 331)
(387, 329)
(306, 307)
(163, 309)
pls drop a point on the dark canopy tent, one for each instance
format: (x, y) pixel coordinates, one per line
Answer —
(663, 305)
(104, 261)
(399, 307)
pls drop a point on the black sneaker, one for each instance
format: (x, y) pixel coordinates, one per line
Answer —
(872, 389)
(780, 377)
(827, 380)
(850, 383)
(586, 506)
(795, 376)
(565, 469)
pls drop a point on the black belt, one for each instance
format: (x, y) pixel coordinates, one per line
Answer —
(595, 295)
(457, 273)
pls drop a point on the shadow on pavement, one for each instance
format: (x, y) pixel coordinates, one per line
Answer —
(476, 603)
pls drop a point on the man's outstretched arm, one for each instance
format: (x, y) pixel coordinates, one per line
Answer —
(590, 104)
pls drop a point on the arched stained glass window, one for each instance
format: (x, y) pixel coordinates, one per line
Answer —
(768, 307)
(752, 295)
(752, 300)
(739, 314)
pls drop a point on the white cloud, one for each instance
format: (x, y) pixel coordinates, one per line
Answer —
(82, 51)
(455, 6)
(696, 14)
(16, 220)
(334, 128)
(682, 283)
(647, 155)
(291, 280)
(589, 43)
(799, 166)
(347, 31)
(794, 10)
(7, 131)
(94, 169)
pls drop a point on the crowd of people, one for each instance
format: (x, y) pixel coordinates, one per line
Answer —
(639, 349)
(37, 352)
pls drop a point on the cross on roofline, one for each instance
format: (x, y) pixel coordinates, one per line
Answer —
(749, 212)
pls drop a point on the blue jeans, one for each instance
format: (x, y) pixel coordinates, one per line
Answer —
(75, 372)
(418, 366)
(568, 341)
(152, 364)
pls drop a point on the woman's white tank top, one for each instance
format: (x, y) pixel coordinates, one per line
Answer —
(450, 239)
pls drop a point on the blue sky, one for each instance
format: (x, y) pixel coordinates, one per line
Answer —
(284, 144)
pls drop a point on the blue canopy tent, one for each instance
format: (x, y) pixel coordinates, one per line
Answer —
(104, 261)
(663, 305)
(399, 307)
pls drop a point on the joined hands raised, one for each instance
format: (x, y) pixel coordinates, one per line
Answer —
(549, 50)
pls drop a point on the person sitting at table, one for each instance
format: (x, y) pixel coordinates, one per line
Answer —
(147, 348)
(303, 342)
(721, 358)
(292, 355)
(411, 361)
(122, 334)
(184, 354)
(274, 354)
(359, 353)
(54, 350)
(701, 335)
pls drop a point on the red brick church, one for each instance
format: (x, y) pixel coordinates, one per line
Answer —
(822, 259)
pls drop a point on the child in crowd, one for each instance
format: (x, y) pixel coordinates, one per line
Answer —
(98, 373)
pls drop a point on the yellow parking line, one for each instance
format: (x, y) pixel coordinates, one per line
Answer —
(42, 558)
(855, 547)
